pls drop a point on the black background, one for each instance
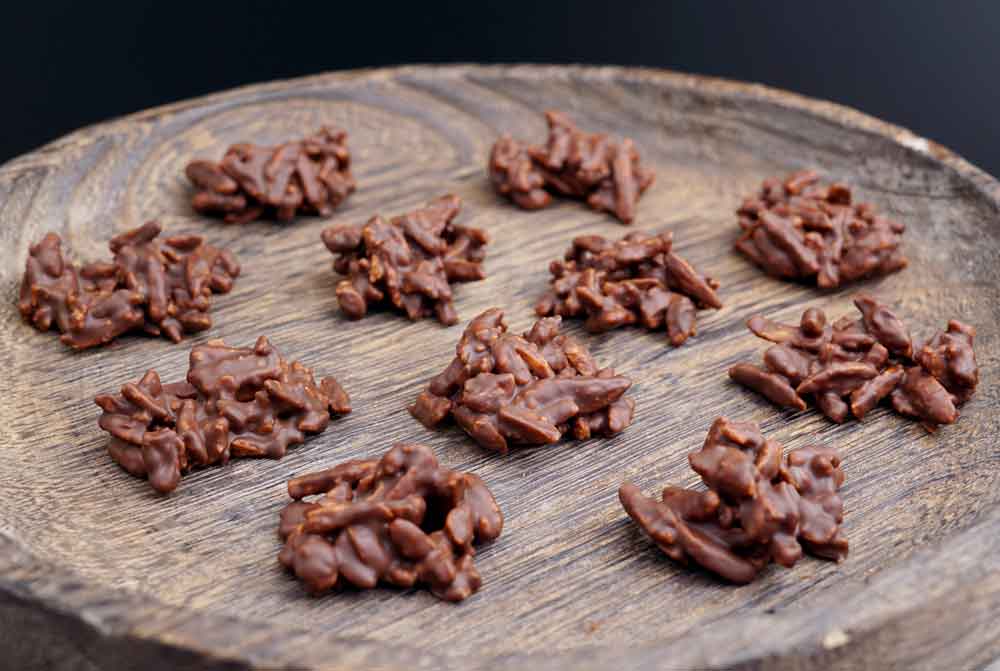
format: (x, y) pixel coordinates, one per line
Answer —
(933, 67)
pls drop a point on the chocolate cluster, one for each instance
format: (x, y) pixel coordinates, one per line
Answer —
(308, 176)
(161, 287)
(801, 229)
(402, 520)
(592, 167)
(847, 367)
(409, 261)
(637, 279)
(758, 507)
(236, 402)
(502, 388)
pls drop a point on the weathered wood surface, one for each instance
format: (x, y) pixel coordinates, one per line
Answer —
(96, 571)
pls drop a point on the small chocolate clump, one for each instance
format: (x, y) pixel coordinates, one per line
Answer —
(162, 287)
(309, 176)
(409, 261)
(236, 402)
(402, 519)
(848, 367)
(800, 229)
(608, 175)
(503, 388)
(758, 508)
(637, 279)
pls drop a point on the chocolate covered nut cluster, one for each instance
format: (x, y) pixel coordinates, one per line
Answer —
(409, 261)
(402, 520)
(800, 229)
(161, 287)
(592, 167)
(758, 507)
(502, 388)
(848, 367)
(308, 176)
(236, 402)
(637, 279)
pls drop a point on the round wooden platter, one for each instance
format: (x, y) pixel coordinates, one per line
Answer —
(97, 571)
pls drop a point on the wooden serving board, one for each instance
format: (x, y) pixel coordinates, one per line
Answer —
(99, 572)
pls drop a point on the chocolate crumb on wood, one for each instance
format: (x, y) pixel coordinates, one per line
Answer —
(505, 389)
(850, 366)
(409, 261)
(402, 519)
(801, 229)
(758, 507)
(236, 402)
(158, 286)
(308, 176)
(638, 279)
(608, 175)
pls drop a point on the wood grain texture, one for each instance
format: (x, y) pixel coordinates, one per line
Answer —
(97, 571)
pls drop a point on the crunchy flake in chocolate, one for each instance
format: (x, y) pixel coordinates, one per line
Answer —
(637, 279)
(236, 402)
(530, 389)
(801, 229)
(163, 287)
(402, 520)
(758, 508)
(309, 176)
(409, 261)
(848, 367)
(608, 175)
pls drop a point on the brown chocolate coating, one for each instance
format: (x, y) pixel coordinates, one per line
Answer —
(848, 367)
(636, 279)
(402, 519)
(608, 175)
(237, 401)
(734, 457)
(756, 509)
(409, 261)
(922, 396)
(885, 326)
(514, 175)
(951, 359)
(530, 389)
(803, 230)
(161, 287)
(308, 176)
